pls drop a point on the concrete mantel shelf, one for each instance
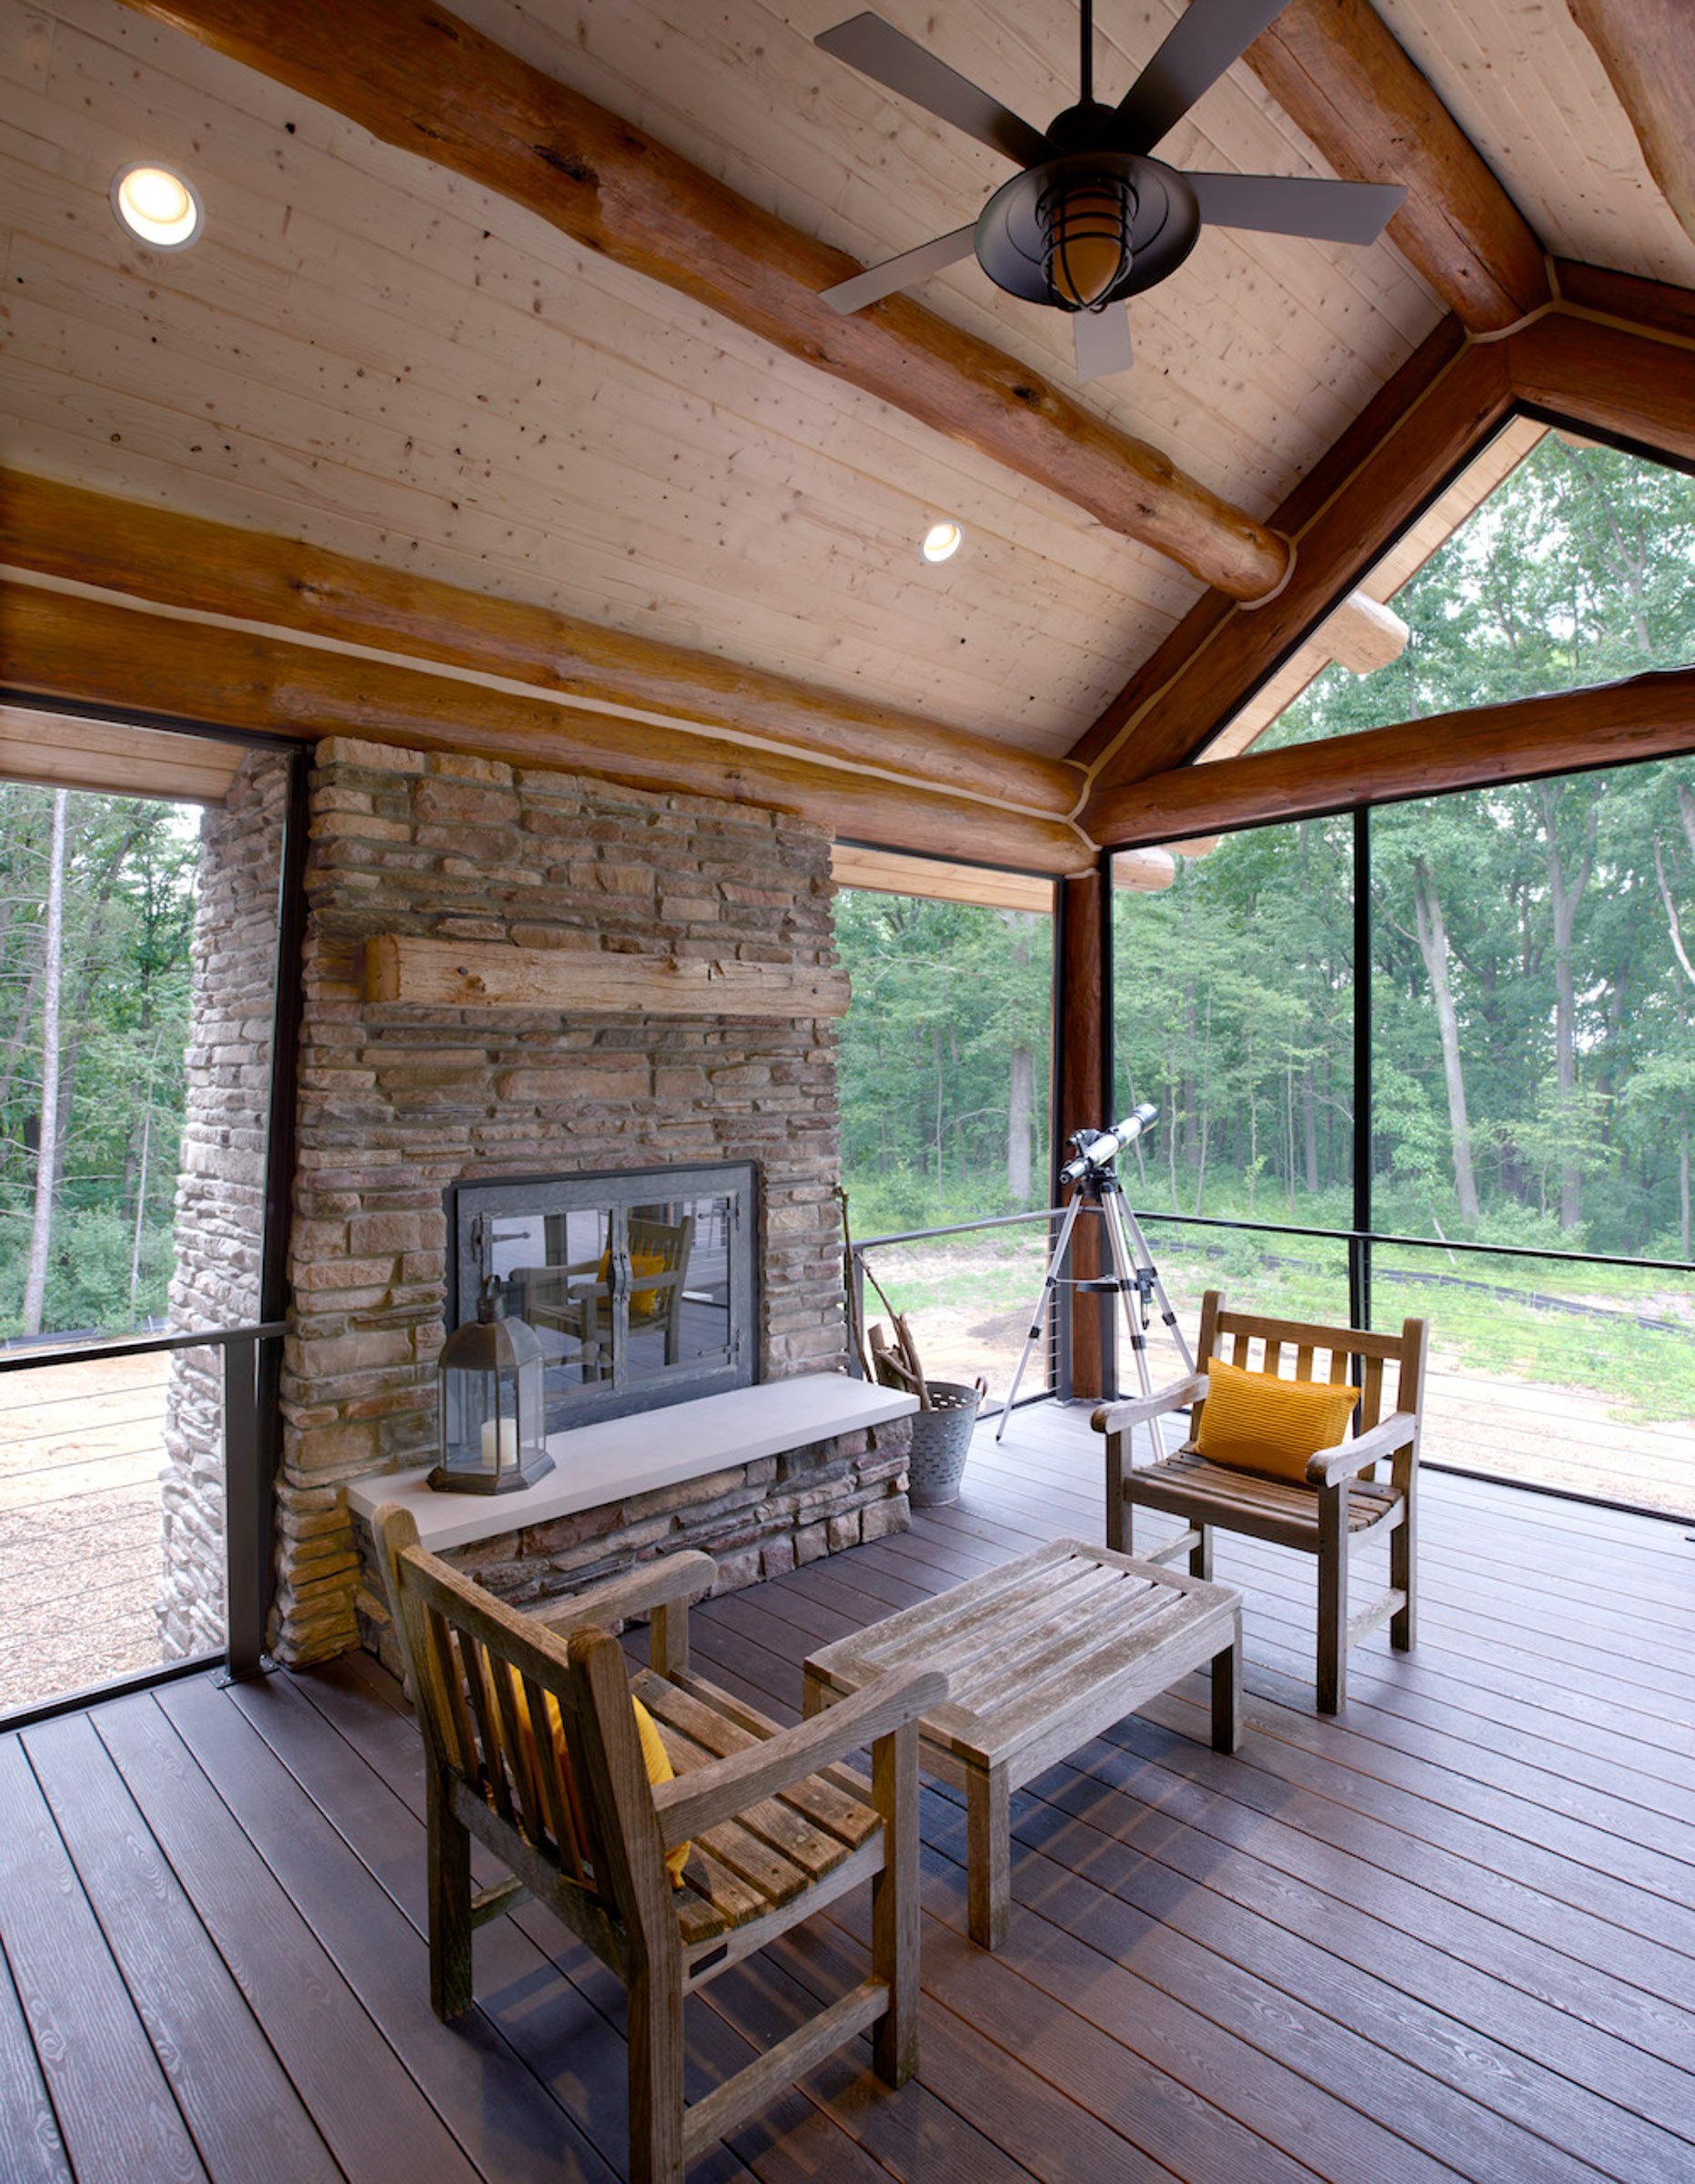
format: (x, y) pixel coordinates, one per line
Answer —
(624, 1456)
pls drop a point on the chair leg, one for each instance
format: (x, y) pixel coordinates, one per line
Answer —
(1404, 1577)
(1332, 1597)
(1201, 1553)
(449, 1905)
(894, 1906)
(1227, 1693)
(655, 2002)
(1120, 1524)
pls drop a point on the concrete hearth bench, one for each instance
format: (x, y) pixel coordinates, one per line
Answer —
(762, 1479)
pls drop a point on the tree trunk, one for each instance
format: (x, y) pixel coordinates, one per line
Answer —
(1309, 1106)
(1433, 947)
(47, 1155)
(1564, 887)
(1683, 1183)
(1020, 1106)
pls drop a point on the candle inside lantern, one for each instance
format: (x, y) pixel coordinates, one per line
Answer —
(500, 1443)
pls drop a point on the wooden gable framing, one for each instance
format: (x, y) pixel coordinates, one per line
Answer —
(293, 633)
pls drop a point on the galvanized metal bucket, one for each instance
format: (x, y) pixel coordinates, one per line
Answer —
(941, 1443)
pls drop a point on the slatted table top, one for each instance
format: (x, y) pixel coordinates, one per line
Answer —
(1023, 1645)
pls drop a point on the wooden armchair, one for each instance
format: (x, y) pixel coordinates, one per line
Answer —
(778, 1828)
(575, 1300)
(1339, 1504)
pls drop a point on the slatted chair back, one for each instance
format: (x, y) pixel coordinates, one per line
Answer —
(540, 1732)
(1254, 1342)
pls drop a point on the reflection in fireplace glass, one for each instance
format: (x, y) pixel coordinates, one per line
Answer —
(672, 1279)
(630, 1293)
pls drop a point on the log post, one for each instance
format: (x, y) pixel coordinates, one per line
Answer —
(1082, 1046)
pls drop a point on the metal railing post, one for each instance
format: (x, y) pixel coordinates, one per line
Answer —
(247, 1513)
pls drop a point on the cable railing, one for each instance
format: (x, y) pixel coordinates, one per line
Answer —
(1582, 1413)
(250, 1360)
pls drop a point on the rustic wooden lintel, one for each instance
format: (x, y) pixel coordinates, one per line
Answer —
(407, 967)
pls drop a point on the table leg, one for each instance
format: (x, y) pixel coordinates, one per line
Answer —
(1227, 1693)
(988, 1858)
(814, 1698)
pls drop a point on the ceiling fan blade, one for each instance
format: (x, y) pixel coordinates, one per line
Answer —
(1198, 48)
(888, 55)
(1103, 342)
(1326, 212)
(878, 281)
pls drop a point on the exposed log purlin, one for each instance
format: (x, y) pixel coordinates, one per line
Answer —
(418, 77)
(201, 566)
(60, 645)
(1216, 660)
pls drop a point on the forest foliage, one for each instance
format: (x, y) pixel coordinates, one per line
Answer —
(97, 922)
(1532, 948)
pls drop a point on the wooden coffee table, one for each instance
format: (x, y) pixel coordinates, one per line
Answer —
(1040, 1654)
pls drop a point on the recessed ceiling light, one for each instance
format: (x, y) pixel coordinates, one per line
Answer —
(941, 542)
(157, 206)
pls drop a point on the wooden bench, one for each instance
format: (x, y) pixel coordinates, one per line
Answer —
(533, 1749)
(1040, 1655)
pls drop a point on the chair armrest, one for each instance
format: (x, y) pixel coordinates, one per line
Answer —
(706, 1795)
(1390, 1433)
(1116, 1418)
(674, 1579)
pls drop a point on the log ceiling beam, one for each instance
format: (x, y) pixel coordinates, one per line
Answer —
(203, 567)
(58, 644)
(1650, 716)
(418, 77)
(1339, 73)
(1645, 48)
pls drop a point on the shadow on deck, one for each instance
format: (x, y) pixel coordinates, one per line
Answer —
(1449, 1934)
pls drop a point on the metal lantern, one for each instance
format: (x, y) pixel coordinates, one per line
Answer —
(490, 1403)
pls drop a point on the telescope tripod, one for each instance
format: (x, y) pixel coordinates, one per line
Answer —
(1133, 1278)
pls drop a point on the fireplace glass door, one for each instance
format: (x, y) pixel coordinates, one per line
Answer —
(638, 1284)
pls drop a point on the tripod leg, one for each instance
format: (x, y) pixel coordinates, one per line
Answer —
(1123, 1267)
(1050, 1282)
(1146, 1258)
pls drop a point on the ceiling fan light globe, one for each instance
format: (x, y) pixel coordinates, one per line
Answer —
(1086, 231)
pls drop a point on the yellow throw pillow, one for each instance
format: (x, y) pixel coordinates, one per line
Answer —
(643, 1303)
(1259, 1424)
(654, 1755)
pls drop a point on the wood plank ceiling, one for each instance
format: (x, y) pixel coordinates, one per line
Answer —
(374, 355)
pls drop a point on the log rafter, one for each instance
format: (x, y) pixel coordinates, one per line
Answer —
(1339, 73)
(418, 77)
(200, 566)
(1644, 47)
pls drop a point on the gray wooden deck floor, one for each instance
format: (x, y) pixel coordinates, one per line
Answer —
(1450, 1934)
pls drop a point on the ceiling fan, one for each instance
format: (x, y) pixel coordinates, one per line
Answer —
(1093, 217)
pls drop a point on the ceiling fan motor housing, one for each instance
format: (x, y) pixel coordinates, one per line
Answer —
(1140, 207)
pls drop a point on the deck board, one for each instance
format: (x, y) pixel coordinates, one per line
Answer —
(1445, 1935)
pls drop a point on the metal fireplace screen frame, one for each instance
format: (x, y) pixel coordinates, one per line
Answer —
(642, 1283)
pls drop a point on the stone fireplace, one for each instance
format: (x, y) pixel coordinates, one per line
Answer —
(402, 1102)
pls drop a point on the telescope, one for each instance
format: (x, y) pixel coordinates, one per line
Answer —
(1096, 1148)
